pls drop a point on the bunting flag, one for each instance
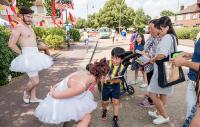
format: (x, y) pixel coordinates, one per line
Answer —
(75, 21)
(9, 18)
(70, 17)
(53, 12)
(70, 6)
(13, 6)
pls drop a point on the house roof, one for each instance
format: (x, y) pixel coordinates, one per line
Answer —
(191, 9)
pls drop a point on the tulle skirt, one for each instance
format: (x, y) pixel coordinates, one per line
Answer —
(31, 60)
(56, 111)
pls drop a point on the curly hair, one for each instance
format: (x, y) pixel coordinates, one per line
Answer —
(99, 69)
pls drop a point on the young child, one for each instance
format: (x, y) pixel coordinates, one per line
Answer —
(70, 99)
(139, 46)
(111, 89)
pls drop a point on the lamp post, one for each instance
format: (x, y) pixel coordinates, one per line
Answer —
(120, 15)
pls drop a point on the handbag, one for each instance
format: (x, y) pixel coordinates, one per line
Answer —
(169, 74)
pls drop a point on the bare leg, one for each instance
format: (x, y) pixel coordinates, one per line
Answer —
(35, 82)
(115, 103)
(136, 75)
(158, 104)
(85, 121)
(145, 77)
(105, 104)
(163, 99)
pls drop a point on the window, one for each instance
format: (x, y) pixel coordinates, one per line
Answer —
(194, 16)
(180, 17)
(187, 16)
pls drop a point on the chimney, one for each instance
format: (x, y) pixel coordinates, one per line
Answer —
(182, 7)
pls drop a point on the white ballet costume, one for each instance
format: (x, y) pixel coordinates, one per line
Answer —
(31, 60)
(56, 111)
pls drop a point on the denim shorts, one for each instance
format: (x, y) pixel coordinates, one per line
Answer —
(190, 117)
(110, 91)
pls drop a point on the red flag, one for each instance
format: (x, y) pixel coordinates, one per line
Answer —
(12, 7)
(53, 12)
(70, 17)
(9, 18)
(70, 5)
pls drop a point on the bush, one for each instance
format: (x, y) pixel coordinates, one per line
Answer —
(40, 32)
(74, 34)
(54, 41)
(187, 33)
(55, 31)
(6, 56)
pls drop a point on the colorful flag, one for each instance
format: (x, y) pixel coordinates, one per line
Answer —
(9, 18)
(70, 6)
(53, 12)
(70, 17)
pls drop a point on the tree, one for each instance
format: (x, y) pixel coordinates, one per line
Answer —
(26, 3)
(81, 23)
(141, 20)
(167, 13)
(92, 21)
(109, 15)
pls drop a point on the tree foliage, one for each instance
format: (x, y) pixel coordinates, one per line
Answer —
(141, 20)
(81, 23)
(109, 16)
(167, 13)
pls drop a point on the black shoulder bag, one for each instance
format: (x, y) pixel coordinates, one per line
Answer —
(169, 74)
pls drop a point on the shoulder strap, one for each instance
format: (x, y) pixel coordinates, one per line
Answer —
(174, 42)
(197, 86)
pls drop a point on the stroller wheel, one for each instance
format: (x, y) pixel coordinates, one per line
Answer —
(130, 90)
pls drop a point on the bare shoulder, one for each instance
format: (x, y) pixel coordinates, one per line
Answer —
(18, 27)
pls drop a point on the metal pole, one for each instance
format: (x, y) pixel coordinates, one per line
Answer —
(120, 13)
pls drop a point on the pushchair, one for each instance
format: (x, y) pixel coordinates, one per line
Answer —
(126, 88)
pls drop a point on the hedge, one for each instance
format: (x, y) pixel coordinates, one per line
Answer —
(187, 33)
(6, 56)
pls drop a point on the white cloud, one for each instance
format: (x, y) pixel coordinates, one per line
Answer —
(151, 7)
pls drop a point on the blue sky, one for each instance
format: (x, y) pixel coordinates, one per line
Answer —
(151, 7)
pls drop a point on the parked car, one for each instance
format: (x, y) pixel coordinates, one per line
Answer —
(104, 32)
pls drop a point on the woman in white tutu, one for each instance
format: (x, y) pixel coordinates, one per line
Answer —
(70, 99)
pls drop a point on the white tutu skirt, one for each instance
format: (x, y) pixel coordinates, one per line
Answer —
(56, 111)
(31, 60)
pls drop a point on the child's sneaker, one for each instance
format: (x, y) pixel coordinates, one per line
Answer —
(115, 122)
(104, 112)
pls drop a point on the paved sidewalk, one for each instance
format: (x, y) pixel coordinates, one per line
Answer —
(131, 114)
(14, 113)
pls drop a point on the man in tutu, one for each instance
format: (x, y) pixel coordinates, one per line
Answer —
(29, 59)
